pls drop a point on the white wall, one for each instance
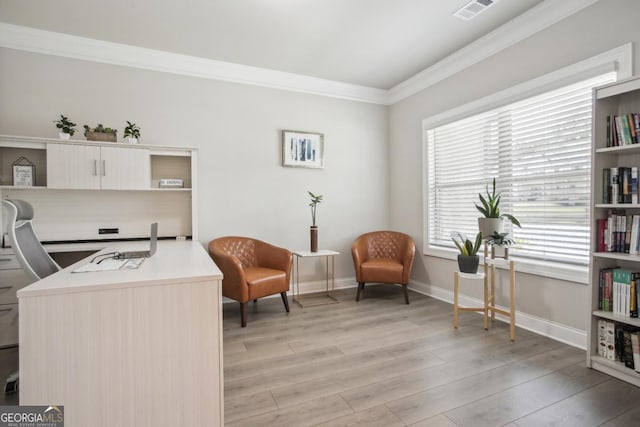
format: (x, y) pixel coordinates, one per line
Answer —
(244, 190)
(605, 25)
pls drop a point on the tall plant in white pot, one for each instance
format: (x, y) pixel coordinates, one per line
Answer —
(493, 220)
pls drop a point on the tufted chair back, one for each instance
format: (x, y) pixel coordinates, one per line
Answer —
(383, 257)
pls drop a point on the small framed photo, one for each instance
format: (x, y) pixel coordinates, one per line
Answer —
(24, 173)
(302, 149)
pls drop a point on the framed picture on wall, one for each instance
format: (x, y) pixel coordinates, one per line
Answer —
(302, 149)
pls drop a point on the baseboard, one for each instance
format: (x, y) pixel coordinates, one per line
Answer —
(557, 331)
(314, 286)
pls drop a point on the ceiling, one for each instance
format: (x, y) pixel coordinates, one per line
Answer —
(373, 43)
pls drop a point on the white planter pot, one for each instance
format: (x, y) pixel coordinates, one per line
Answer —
(63, 135)
(490, 225)
(131, 140)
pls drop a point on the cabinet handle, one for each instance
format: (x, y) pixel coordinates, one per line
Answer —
(5, 259)
(95, 168)
(6, 309)
(6, 287)
(104, 168)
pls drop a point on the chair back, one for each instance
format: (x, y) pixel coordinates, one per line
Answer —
(242, 248)
(387, 244)
(33, 258)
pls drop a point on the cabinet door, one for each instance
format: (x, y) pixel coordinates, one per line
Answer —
(73, 166)
(125, 168)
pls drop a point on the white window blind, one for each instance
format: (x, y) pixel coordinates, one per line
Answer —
(539, 151)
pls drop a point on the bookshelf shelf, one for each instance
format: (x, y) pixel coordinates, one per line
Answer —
(616, 99)
(626, 149)
(620, 319)
(616, 255)
(615, 369)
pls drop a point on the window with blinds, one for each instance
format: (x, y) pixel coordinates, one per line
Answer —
(539, 151)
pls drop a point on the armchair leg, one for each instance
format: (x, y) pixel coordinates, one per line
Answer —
(406, 293)
(360, 289)
(243, 314)
(285, 300)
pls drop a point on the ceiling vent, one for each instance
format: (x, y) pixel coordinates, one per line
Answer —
(473, 8)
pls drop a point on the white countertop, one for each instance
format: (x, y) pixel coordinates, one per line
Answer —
(173, 262)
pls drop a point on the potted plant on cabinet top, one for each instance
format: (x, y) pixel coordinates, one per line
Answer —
(100, 133)
(500, 243)
(493, 220)
(315, 199)
(132, 132)
(468, 259)
(66, 126)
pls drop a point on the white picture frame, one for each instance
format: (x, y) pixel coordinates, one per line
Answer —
(302, 149)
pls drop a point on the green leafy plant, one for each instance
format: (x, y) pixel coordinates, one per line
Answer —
(500, 239)
(131, 130)
(466, 246)
(315, 199)
(99, 129)
(65, 125)
(491, 205)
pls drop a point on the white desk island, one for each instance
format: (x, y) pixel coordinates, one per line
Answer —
(127, 347)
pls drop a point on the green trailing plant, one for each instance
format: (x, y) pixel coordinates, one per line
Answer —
(131, 130)
(466, 246)
(99, 129)
(491, 205)
(65, 125)
(500, 239)
(315, 199)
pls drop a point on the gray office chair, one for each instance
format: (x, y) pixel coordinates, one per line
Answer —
(32, 257)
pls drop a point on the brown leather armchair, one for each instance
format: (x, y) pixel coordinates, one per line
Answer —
(252, 269)
(383, 257)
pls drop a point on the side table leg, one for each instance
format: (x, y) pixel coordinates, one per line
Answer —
(512, 300)
(455, 299)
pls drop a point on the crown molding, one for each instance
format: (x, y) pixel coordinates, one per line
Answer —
(44, 42)
(86, 49)
(534, 20)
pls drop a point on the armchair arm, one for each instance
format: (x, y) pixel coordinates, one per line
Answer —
(234, 284)
(360, 254)
(275, 257)
(408, 254)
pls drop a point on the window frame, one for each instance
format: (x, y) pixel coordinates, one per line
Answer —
(617, 60)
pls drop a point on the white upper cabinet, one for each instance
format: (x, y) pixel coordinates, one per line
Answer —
(76, 166)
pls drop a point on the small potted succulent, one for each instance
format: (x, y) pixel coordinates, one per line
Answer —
(100, 133)
(500, 243)
(66, 126)
(468, 259)
(132, 132)
(493, 220)
(315, 199)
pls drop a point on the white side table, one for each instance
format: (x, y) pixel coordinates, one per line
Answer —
(327, 298)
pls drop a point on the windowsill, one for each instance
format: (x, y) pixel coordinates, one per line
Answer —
(552, 270)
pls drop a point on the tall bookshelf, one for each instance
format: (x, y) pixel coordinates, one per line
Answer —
(620, 98)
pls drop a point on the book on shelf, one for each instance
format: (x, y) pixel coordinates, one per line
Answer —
(635, 348)
(623, 130)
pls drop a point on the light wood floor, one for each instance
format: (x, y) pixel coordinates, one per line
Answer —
(380, 362)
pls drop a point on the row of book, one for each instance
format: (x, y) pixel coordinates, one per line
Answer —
(620, 343)
(618, 232)
(623, 130)
(618, 291)
(620, 185)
